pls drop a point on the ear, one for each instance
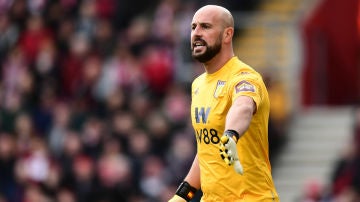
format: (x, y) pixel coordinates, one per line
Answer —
(228, 34)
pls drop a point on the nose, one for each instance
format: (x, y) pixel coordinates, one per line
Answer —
(196, 31)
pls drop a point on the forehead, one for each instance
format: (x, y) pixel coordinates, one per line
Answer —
(206, 16)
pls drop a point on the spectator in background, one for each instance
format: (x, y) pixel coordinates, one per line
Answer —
(33, 36)
(164, 15)
(87, 19)
(160, 133)
(312, 191)
(72, 64)
(14, 66)
(115, 174)
(8, 184)
(83, 178)
(46, 68)
(72, 147)
(104, 38)
(34, 166)
(181, 149)
(345, 179)
(140, 149)
(141, 107)
(122, 124)
(157, 59)
(34, 193)
(24, 132)
(120, 73)
(65, 195)
(152, 182)
(8, 36)
(41, 113)
(174, 106)
(93, 134)
(65, 31)
(85, 89)
(106, 9)
(19, 13)
(60, 126)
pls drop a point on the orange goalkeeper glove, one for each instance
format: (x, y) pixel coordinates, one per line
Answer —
(228, 150)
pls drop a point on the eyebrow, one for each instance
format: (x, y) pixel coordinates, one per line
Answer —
(202, 24)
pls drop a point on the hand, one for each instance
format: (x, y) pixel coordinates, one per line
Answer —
(177, 198)
(228, 152)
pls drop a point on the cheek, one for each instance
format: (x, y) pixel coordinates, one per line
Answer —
(192, 37)
(212, 38)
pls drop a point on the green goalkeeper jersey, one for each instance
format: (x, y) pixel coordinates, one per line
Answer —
(212, 96)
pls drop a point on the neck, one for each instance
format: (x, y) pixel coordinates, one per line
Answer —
(217, 62)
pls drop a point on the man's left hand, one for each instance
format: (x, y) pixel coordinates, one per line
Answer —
(228, 151)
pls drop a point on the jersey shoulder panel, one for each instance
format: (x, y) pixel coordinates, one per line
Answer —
(198, 80)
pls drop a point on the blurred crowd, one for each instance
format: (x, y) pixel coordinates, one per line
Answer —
(94, 99)
(344, 180)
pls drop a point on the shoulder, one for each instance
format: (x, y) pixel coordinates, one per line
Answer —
(245, 78)
(198, 79)
(243, 71)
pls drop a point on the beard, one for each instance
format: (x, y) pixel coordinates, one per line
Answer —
(209, 53)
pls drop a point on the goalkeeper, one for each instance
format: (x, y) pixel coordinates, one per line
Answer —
(229, 111)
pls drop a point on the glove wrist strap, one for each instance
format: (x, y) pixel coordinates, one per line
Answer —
(186, 191)
(233, 134)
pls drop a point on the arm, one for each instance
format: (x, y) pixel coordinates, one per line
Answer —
(237, 122)
(193, 177)
(240, 114)
(192, 183)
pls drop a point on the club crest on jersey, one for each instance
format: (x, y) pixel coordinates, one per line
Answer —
(244, 86)
(219, 86)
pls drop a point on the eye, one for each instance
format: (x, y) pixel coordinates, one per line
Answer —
(193, 27)
(206, 26)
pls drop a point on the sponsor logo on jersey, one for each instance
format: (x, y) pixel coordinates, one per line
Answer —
(219, 86)
(244, 86)
(201, 114)
(196, 91)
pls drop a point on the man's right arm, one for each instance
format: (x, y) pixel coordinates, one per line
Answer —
(186, 190)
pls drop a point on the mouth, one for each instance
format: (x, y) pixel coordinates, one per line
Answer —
(198, 45)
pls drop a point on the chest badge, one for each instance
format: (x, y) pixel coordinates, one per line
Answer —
(219, 86)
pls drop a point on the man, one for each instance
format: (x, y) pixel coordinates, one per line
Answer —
(230, 109)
